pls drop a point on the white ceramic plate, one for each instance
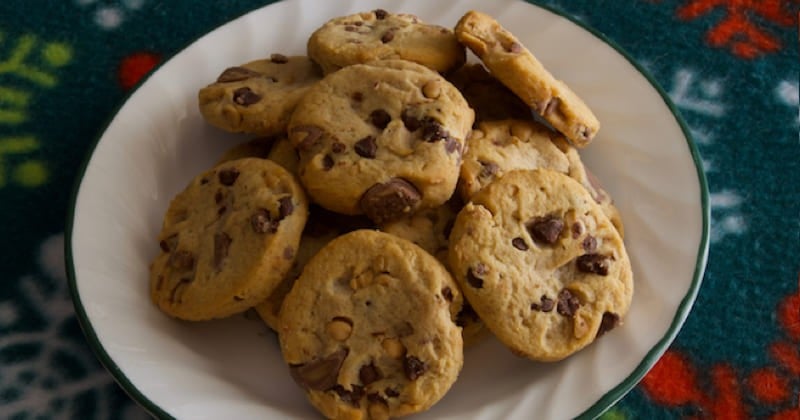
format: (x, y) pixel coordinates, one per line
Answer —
(232, 368)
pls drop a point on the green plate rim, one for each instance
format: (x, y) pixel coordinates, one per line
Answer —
(598, 408)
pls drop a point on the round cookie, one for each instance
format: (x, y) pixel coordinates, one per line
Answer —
(258, 97)
(227, 240)
(380, 35)
(497, 147)
(322, 227)
(383, 139)
(541, 264)
(490, 99)
(368, 331)
(518, 69)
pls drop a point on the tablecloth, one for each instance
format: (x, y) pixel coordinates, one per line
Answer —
(730, 67)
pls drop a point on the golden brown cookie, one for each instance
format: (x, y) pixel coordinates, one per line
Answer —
(368, 331)
(541, 264)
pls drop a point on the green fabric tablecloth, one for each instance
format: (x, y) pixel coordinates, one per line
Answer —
(730, 67)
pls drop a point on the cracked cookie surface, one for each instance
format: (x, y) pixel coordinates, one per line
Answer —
(227, 240)
(541, 264)
(367, 330)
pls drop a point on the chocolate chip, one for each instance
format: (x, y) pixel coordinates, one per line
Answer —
(236, 74)
(369, 374)
(313, 134)
(467, 314)
(447, 294)
(357, 96)
(245, 97)
(413, 367)
(411, 122)
(589, 243)
(474, 275)
(609, 322)
(228, 176)
(320, 374)
(218, 197)
(577, 230)
(451, 144)
(380, 118)
(288, 253)
(433, 131)
(366, 147)
(168, 244)
(488, 169)
(380, 14)
(391, 392)
(546, 229)
(261, 222)
(279, 58)
(547, 304)
(327, 162)
(390, 200)
(519, 243)
(375, 398)
(338, 147)
(388, 36)
(222, 243)
(181, 260)
(352, 397)
(593, 263)
(204, 181)
(285, 207)
(567, 303)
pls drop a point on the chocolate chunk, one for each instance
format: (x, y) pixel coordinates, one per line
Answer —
(228, 176)
(357, 96)
(338, 147)
(279, 58)
(366, 147)
(391, 392)
(577, 230)
(451, 144)
(609, 322)
(352, 397)
(380, 14)
(390, 200)
(388, 36)
(474, 275)
(567, 303)
(222, 243)
(546, 229)
(236, 74)
(285, 207)
(433, 131)
(375, 398)
(369, 374)
(261, 222)
(245, 97)
(447, 294)
(320, 374)
(327, 162)
(519, 243)
(547, 304)
(313, 134)
(380, 118)
(182, 260)
(488, 169)
(589, 243)
(204, 181)
(411, 122)
(593, 263)
(170, 243)
(413, 367)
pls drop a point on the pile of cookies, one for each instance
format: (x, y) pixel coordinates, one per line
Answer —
(397, 205)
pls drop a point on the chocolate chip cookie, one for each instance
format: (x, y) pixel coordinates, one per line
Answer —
(227, 240)
(258, 97)
(368, 331)
(520, 71)
(380, 35)
(541, 264)
(383, 139)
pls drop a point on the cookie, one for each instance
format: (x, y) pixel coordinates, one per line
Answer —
(515, 66)
(541, 264)
(258, 97)
(380, 35)
(367, 330)
(490, 99)
(227, 240)
(383, 139)
(322, 227)
(258, 147)
(497, 147)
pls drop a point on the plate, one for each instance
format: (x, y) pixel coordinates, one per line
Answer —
(232, 368)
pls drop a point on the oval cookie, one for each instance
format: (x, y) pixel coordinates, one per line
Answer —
(227, 240)
(368, 331)
(541, 264)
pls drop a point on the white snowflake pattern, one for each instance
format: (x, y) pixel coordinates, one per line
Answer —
(789, 94)
(111, 16)
(726, 219)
